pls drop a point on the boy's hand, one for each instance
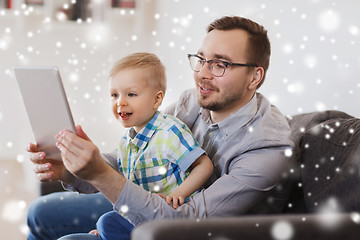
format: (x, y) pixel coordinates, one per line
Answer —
(174, 201)
(95, 232)
(47, 170)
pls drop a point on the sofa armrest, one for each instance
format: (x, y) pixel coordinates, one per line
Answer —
(50, 187)
(286, 226)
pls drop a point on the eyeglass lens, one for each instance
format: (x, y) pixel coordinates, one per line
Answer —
(217, 68)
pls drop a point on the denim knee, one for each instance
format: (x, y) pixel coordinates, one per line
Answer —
(34, 220)
(80, 236)
(106, 222)
(62, 213)
(112, 225)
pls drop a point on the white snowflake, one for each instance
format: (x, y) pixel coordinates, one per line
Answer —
(329, 20)
(282, 230)
(124, 209)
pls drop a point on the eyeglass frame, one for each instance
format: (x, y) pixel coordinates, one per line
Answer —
(226, 64)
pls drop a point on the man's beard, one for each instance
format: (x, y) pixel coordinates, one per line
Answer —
(217, 105)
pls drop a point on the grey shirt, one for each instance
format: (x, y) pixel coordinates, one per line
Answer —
(250, 165)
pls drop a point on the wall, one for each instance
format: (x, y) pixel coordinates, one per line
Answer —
(314, 65)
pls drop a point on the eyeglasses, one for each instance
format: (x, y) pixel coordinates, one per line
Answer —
(216, 67)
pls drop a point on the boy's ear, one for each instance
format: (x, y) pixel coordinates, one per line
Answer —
(158, 99)
(257, 77)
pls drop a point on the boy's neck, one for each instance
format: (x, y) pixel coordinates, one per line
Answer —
(138, 129)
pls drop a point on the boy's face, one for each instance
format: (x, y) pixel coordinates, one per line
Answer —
(134, 100)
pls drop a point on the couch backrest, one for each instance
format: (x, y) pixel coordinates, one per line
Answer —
(311, 145)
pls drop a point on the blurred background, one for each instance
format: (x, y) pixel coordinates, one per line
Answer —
(314, 65)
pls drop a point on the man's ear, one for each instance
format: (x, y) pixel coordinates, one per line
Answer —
(158, 99)
(257, 77)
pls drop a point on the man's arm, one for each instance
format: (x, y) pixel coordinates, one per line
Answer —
(250, 180)
(82, 158)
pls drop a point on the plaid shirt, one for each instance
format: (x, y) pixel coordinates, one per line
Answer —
(158, 157)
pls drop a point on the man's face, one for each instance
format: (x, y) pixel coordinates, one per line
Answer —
(231, 91)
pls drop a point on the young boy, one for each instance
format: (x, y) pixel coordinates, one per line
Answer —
(158, 152)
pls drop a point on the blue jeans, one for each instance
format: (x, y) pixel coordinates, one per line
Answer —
(111, 226)
(59, 214)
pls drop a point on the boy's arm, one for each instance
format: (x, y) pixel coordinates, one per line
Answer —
(202, 169)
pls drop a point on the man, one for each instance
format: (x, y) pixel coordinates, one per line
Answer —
(242, 133)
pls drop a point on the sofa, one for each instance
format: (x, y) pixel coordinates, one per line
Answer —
(325, 198)
(324, 202)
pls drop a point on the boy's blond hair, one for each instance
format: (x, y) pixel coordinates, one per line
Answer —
(157, 76)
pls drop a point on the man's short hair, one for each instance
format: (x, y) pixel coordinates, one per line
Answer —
(260, 49)
(149, 62)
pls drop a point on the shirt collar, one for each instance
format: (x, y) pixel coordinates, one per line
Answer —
(141, 138)
(241, 117)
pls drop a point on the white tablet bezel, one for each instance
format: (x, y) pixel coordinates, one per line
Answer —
(46, 105)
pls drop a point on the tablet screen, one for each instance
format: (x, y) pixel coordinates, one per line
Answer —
(46, 105)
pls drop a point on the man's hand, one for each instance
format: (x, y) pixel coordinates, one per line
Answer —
(80, 155)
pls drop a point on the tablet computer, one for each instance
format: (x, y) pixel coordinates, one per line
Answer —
(46, 105)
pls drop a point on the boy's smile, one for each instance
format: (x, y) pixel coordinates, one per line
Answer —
(124, 115)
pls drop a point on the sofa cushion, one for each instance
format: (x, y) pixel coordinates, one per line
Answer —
(301, 124)
(331, 165)
(290, 226)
